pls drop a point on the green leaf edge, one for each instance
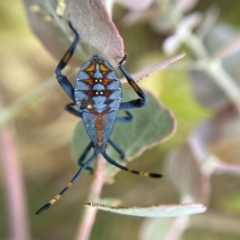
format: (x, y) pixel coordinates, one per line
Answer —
(171, 210)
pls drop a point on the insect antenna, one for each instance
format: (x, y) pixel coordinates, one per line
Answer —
(59, 195)
(145, 174)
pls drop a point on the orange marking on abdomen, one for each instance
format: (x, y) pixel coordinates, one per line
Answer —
(99, 124)
(99, 137)
(91, 67)
(90, 81)
(103, 68)
(106, 81)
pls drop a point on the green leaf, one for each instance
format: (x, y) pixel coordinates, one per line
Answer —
(108, 201)
(99, 35)
(152, 68)
(185, 171)
(154, 211)
(151, 124)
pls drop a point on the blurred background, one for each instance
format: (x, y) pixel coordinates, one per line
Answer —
(42, 133)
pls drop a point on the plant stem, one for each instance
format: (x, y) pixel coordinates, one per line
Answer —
(12, 177)
(225, 81)
(95, 192)
(214, 68)
(8, 113)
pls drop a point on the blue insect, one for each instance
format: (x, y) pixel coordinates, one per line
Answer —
(97, 94)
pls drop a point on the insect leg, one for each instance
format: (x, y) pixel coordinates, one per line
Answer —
(83, 156)
(69, 108)
(145, 174)
(128, 118)
(125, 119)
(58, 196)
(137, 103)
(118, 149)
(63, 81)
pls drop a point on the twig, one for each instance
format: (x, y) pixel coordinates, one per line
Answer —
(10, 112)
(15, 196)
(214, 68)
(95, 192)
(227, 50)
